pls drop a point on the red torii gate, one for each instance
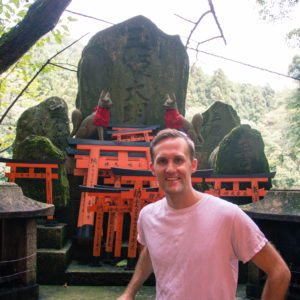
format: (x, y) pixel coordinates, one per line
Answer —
(94, 156)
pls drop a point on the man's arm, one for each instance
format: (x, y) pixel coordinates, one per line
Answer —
(278, 273)
(142, 271)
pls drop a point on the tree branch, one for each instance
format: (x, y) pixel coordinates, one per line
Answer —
(90, 17)
(41, 18)
(212, 9)
(62, 67)
(195, 26)
(36, 74)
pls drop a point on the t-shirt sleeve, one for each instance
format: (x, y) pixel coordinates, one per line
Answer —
(141, 236)
(247, 238)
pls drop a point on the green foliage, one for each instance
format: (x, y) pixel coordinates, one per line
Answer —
(293, 131)
(16, 78)
(276, 10)
(262, 109)
(294, 67)
(204, 90)
(272, 10)
(12, 12)
(293, 38)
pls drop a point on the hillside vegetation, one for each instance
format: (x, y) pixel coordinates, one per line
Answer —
(258, 106)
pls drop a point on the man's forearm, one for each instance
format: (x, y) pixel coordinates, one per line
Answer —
(276, 287)
(142, 271)
(270, 261)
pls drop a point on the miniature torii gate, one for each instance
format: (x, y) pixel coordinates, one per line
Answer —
(116, 202)
(103, 155)
(32, 166)
(144, 134)
(254, 191)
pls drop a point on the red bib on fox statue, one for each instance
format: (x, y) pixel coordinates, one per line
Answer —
(102, 116)
(173, 119)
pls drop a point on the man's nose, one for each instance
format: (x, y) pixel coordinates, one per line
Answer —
(170, 167)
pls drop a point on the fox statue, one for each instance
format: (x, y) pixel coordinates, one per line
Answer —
(95, 122)
(173, 119)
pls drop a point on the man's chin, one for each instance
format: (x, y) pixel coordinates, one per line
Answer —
(173, 190)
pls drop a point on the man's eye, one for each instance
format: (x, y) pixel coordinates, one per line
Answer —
(178, 160)
(161, 161)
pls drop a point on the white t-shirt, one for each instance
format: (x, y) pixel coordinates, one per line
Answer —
(195, 250)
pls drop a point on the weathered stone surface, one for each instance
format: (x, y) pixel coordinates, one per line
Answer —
(38, 148)
(218, 120)
(13, 204)
(242, 152)
(280, 205)
(49, 119)
(138, 64)
(53, 237)
(52, 263)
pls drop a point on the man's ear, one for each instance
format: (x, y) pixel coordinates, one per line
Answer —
(194, 165)
(152, 168)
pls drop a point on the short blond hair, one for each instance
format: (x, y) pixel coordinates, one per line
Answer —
(172, 134)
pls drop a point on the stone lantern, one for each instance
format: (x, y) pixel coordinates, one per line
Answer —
(18, 242)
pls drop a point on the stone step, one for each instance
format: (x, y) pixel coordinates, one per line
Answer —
(51, 235)
(52, 263)
(87, 274)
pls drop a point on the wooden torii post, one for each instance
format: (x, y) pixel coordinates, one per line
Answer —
(28, 169)
(103, 155)
(117, 202)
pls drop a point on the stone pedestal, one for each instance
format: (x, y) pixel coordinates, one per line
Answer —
(18, 242)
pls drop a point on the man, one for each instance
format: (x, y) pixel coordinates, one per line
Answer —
(193, 241)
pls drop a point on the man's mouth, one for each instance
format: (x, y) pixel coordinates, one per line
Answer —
(172, 179)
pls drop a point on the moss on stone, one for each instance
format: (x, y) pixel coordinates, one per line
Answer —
(39, 148)
(218, 120)
(242, 152)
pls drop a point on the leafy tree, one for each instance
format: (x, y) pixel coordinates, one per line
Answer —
(41, 17)
(275, 9)
(293, 107)
(294, 67)
(218, 87)
(197, 84)
(25, 14)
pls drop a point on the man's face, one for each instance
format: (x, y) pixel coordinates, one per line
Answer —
(172, 166)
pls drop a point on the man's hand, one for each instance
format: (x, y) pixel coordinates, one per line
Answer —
(142, 271)
(125, 297)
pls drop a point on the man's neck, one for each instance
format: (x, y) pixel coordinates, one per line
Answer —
(182, 201)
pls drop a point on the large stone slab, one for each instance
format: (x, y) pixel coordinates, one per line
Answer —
(138, 64)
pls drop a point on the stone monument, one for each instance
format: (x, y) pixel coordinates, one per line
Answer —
(138, 64)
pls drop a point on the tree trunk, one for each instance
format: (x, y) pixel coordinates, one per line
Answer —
(41, 18)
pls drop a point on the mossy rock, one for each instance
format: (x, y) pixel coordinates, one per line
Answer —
(242, 152)
(218, 120)
(49, 119)
(40, 148)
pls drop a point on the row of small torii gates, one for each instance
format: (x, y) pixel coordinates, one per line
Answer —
(122, 165)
